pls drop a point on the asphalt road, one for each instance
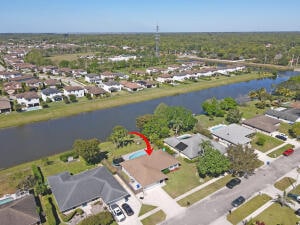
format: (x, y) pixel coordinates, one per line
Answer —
(219, 203)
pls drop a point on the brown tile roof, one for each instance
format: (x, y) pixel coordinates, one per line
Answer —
(28, 95)
(130, 85)
(51, 82)
(21, 212)
(73, 88)
(95, 90)
(262, 122)
(21, 78)
(166, 75)
(147, 169)
(4, 103)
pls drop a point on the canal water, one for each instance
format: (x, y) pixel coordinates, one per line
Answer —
(33, 141)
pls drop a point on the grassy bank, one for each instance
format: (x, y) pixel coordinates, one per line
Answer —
(62, 110)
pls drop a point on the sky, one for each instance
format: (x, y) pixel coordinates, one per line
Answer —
(106, 16)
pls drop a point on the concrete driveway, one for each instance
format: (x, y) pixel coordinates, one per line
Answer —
(158, 197)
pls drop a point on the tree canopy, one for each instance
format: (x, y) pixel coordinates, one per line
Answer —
(212, 162)
(120, 136)
(89, 150)
(243, 159)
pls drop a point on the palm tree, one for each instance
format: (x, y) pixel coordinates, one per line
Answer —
(283, 200)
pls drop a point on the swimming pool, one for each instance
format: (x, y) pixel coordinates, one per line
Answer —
(6, 200)
(217, 127)
(137, 154)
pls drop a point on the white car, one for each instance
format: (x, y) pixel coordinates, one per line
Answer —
(117, 212)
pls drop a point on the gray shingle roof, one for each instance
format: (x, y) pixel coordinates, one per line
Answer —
(73, 190)
(192, 142)
(234, 133)
(49, 91)
(21, 212)
(290, 115)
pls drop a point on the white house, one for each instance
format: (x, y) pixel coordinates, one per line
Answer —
(122, 58)
(165, 78)
(74, 90)
(111, 86)
(28, 99)
(92, 78)
(51, 93)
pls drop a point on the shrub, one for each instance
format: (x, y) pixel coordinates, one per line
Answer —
(64, 157)
(112, 169)
(190, 160)
(260, 141)
(49, 210)
(166, 171)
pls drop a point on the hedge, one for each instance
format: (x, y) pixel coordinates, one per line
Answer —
(49, 211)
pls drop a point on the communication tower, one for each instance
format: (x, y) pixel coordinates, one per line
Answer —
(157, 38)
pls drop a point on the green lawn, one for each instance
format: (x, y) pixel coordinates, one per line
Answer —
(284, 128)
(183, 179)
(9, 178)
(276, 214)
(154, 218)
(270, 142)
(296, 190)
(249, 207)
(206, 122)
(279, 151)
(146, 208)
(204, 192)
(249, 110)
(284, 183)
(114, 152)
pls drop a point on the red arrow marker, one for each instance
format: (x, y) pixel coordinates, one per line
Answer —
(149, 149)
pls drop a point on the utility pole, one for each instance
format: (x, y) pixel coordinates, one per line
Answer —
(157, 38)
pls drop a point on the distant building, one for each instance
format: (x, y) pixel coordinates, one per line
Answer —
(52, 93)
(5, 106)
(28, 99)
(74, 90)
(285, 115)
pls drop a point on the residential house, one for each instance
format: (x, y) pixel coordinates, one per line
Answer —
(5, 106)
(113, 76)
(130, 86)
(286, 115)
(262, 123)
(147, 83)
(52, 93)
(5, 75)
(233, 134)
(28, 99)
(121, 58)
(165, 78)
(153, 70)
(180, 77)
(12, 87)
(33, 83)
(22, 78)
(72, 191)
(22, 211)
(78, 72)
(74, 90)
(111, 86)
(189, 146)
(92, 78)
(65, 71)
(48, 69)
(147, 171)
(52, 83)
(95, 91)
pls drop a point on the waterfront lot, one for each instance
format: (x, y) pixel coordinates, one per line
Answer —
(270, 142)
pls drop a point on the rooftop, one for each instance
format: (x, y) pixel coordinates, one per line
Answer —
(263, 122)
(74, 190)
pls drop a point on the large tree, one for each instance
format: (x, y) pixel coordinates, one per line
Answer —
(212, 108)
(283, 200)
(89, 150)
(234, 116)
(120, 136)
(243, 159)
(156, 128)
(212, 162)
(295, 130)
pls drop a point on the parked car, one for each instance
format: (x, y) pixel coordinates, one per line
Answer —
(281, 137)
(297, 212)
(233, 182)
(288, 152)
(117, 212)
(127, 209)
(237, 202)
